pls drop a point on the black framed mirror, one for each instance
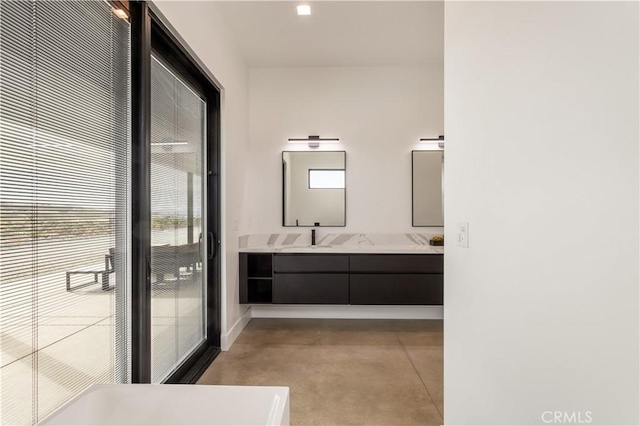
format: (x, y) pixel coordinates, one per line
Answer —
(314, 189)
(427, 190)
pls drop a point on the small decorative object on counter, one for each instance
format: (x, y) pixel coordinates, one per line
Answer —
(437, 240)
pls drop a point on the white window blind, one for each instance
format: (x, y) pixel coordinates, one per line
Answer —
(64, 203)
(177, 289)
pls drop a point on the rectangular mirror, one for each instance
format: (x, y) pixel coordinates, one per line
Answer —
(427, 168)
(314, 188)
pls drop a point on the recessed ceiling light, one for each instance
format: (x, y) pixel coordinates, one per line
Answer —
(120, 13)
(304, 10)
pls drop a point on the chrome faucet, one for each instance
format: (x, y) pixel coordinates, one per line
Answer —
(313, 237)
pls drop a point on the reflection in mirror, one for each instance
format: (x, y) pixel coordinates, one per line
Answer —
(427, 169)
(314, 190)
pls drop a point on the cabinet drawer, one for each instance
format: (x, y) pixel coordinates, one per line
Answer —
(397, 263)
(310, 263)
(396, 289)
(311, 288)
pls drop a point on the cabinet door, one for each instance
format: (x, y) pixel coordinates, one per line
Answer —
(396, 289)
(311, 288)
(397, 263)
(311, 263)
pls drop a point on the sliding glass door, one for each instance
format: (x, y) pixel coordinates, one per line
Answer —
(178, 274)
(109, 204)
(64, 203)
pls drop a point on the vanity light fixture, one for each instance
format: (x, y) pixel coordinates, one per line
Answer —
(439, 140)
(314, 141)
(303, 10)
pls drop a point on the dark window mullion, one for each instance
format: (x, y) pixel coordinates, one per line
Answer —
(141, 193)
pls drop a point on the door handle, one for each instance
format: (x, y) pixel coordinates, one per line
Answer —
(200, 247)
(212, 245)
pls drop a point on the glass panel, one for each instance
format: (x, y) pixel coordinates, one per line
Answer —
(177, 290)
(64, 203)
(326, 179)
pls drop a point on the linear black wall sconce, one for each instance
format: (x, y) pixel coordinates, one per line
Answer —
(314, 141)
(439, 140)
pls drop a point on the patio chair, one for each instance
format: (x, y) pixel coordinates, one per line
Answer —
(169, 259)
(104, 273)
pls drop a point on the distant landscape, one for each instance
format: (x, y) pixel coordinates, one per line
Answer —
(21, 222)
(68, 237)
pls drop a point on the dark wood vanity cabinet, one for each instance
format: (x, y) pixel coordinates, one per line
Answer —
(396, 279)
(256, 278)
(341, 279)
(311, 279)
(396, 263)
(395, 289)
(326, 289)
(310, 263)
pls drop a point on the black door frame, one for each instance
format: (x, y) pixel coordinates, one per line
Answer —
(149, 33)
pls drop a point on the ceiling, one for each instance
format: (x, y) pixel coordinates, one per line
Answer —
(338, 33)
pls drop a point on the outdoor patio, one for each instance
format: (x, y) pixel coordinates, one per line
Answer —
(73, 343)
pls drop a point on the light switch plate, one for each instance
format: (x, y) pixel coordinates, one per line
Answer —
(463, 234)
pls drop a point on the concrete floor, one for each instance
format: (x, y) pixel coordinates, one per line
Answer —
(373, 372)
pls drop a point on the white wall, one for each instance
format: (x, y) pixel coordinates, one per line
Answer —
(379, 114)
(200, 25)
(541, 311)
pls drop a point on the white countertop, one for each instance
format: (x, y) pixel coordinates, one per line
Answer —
(379, 249)
(408, 243)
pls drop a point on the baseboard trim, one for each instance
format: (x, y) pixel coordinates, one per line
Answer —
(347, 312)
(226, 340)
(328, 312)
